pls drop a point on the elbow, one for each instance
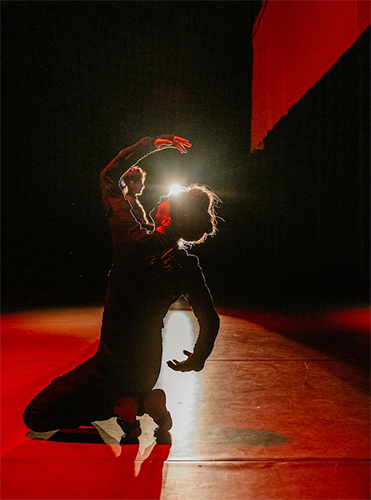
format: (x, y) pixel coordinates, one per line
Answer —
(103, 175)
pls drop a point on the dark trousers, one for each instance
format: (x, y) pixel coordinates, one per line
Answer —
(89, 391)
(77, 398)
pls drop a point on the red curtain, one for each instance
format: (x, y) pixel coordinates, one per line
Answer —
(295, 43)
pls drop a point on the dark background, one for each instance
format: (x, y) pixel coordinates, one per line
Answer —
(82, 80)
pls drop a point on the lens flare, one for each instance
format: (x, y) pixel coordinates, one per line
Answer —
(175, 189)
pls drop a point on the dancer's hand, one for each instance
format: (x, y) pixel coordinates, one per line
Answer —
(179, 143)
(187, 365)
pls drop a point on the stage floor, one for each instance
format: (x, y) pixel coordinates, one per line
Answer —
(277, 413)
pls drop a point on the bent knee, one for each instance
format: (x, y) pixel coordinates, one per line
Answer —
(37, 421)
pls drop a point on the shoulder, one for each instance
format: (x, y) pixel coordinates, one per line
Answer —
(150, 241)
(130, 198)
(189, 261)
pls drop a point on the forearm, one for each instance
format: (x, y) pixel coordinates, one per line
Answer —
(203, 347)
(209, 329)
(126, 158)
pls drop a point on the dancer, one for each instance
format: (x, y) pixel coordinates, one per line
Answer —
(149, 272)
(133, 184)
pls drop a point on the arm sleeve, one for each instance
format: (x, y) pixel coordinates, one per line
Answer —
(200, 299)
(112, 173)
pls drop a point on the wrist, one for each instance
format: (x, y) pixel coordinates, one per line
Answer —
(197, 362)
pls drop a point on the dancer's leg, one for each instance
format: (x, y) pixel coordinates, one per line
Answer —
(68, 402)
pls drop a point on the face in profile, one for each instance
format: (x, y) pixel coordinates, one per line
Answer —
(137, 187)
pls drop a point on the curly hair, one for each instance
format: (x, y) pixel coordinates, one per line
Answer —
(134, 173)
(194, 211)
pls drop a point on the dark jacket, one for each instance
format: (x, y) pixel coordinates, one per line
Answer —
(142, 285)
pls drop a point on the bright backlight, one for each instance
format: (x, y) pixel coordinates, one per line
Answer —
(175, 189)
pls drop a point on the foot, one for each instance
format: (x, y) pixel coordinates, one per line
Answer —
(126, 411)
(132, 431)
(155, 407)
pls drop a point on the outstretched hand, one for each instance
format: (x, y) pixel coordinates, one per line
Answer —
(178, 142)
(186, 365)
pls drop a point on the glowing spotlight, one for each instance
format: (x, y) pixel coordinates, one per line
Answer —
(175, 189)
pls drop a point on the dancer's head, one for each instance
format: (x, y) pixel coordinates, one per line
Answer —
(188, 217)
(132, 182)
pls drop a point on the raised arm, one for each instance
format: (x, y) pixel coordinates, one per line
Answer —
(112, 173)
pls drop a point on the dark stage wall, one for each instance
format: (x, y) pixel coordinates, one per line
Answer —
(78, 86)
(305, 219)
(81, 81)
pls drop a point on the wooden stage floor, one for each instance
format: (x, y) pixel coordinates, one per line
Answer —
(277, 413)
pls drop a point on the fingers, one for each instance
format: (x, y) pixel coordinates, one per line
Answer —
(178, 366)
(183, 141)
(173, 365)
(181, 144)
(178, 142)
(181, 366)
(180, 148)
(162, 143)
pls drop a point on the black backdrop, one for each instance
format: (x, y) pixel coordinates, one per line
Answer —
(81, 80)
